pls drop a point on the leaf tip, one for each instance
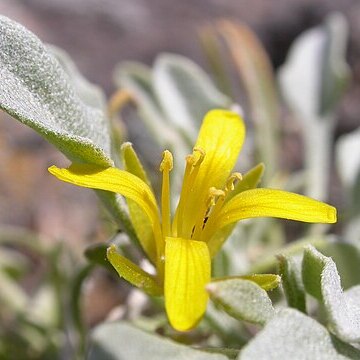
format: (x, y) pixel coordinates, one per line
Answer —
(210, 288)
(110, 251)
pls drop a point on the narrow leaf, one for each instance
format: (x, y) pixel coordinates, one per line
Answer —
(335, 72)
(185, 92)
(136, 78)
(257, 76)
(348, 165)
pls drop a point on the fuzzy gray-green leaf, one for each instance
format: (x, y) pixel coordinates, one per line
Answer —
(121, 341)
(335, 72)
(293, 335)
(89, 93)
(290, 271)
(322, 280)
(185, 92)
(314, 76)
(242, 299)
(136, 78)
(35, 90)
(347, 259)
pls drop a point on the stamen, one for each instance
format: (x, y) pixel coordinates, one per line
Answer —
(193, 162)
(165, 167)
(211, 204)
(214, 193)
(198, 156)
(167, 161)
(216, 199)
(230, 183)
(209, 226)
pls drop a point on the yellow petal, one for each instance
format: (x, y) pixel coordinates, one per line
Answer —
(214, 236)
(187, 271)
(275, 203)
(221, 137)
(118, 181)
(133, 273)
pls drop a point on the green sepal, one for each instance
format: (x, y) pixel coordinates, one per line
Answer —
(249, 181)
(133, 273)
(138, 217)
(265, 281)
(132, 162)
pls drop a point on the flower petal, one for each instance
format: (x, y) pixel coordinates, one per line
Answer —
(215, 236)
(275, 203)
(187, 271)
(114, 180)
(221, 137)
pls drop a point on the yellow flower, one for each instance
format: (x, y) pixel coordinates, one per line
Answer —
(212, 200)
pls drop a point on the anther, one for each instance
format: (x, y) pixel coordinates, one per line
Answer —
(214, 193)
(167, 161)
(197, 156)
(230, 183)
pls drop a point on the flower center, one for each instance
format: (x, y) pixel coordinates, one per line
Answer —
(216, 200)
(204, 223)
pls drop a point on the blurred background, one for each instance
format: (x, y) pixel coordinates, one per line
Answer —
(98, 34)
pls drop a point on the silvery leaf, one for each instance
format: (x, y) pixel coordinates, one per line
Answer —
(35, 90)
(321, 279)
(122, 341)
(89, 93)
(290, 271)
(185, 92)
(314, 75)
(242, 299)
(293, 335)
